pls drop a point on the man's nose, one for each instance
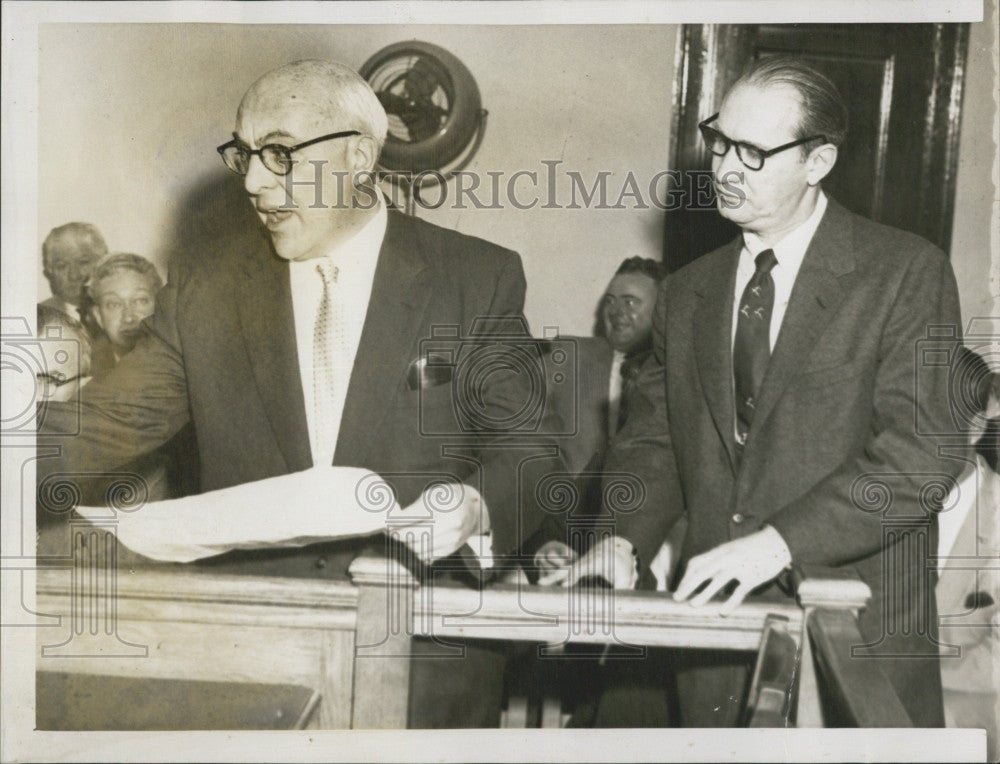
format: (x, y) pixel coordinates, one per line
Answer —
(130, 314)
(258, 177)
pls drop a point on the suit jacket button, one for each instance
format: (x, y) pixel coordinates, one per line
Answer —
(321, 562)
(738, 518)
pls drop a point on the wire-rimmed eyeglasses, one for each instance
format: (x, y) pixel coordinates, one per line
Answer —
(274, 156)
(751, 156)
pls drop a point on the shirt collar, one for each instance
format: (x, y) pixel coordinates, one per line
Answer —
(366, 242)
(792, 248)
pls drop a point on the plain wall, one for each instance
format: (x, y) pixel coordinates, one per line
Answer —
(131, 114)
(977, 204)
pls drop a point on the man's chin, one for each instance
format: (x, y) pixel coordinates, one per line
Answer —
(125, 344)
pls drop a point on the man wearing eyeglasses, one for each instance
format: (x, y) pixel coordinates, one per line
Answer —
(783, 378)
(306, 350)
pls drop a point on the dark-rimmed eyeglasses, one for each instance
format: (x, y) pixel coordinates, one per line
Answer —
(751, 156)
(274, 156)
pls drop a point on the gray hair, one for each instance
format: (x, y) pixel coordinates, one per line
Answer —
(83, 235)
(342, 95)
(124, 261)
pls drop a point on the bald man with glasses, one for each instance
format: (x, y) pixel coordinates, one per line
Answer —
(307, 349)
(784, 376)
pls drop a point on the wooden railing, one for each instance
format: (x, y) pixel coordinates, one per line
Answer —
(351, 641)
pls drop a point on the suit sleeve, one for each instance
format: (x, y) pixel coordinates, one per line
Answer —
(641, 486)
(515, 461)
(840, 518)
(134, 409)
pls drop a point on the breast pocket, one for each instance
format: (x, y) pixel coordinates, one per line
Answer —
(431, 410)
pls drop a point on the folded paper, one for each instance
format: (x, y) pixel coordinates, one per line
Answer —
(318, 504)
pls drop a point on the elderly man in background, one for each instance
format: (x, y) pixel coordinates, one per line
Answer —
(784, 376)
(123, 291)
(69, 254)
(308, 348)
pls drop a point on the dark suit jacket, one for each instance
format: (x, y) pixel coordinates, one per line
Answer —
(221, 352)
(838, 411)
(583, 406)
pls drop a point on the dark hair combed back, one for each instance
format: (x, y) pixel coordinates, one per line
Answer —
(644, 265)
(823, 109)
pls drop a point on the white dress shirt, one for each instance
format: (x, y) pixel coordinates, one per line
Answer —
(789, 253)
(355, 260)
(615, 391)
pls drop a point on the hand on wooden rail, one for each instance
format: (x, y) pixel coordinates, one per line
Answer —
(457, 512)
(611, 559)
(750, 561)
(553, 560)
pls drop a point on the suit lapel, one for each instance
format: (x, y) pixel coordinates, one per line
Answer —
(713, 342)
(816, 295)
(400, 293)
(268, 325)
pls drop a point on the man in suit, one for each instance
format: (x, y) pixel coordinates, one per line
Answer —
(783, 381)
(607, 366)
(604, 362)
(69, 254)
(309, 349)
(623, 693)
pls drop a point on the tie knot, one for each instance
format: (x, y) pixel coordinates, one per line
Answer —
(765, 261)
(327, 270)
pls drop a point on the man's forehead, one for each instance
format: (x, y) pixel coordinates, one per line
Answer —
(272, 113)
(71, 248)
(760, 114)
(123, 281)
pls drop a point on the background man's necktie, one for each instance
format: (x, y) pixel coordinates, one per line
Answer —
(325, 342)
(752, 348)
(630, 372)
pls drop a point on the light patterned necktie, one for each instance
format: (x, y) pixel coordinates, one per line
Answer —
(328, 336)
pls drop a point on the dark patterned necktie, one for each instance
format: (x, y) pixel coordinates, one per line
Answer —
(752, 348)
(630, 372)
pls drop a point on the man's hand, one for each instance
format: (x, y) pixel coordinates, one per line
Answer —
(612, 558)
(553, 560)
(751, 561)
(454, 512)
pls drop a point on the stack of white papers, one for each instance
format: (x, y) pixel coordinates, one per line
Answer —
(318, 504)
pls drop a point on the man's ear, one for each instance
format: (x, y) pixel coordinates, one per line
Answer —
(820, 161)
(364, 153)
(96, 315)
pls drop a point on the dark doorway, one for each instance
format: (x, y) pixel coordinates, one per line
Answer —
(903, 87)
